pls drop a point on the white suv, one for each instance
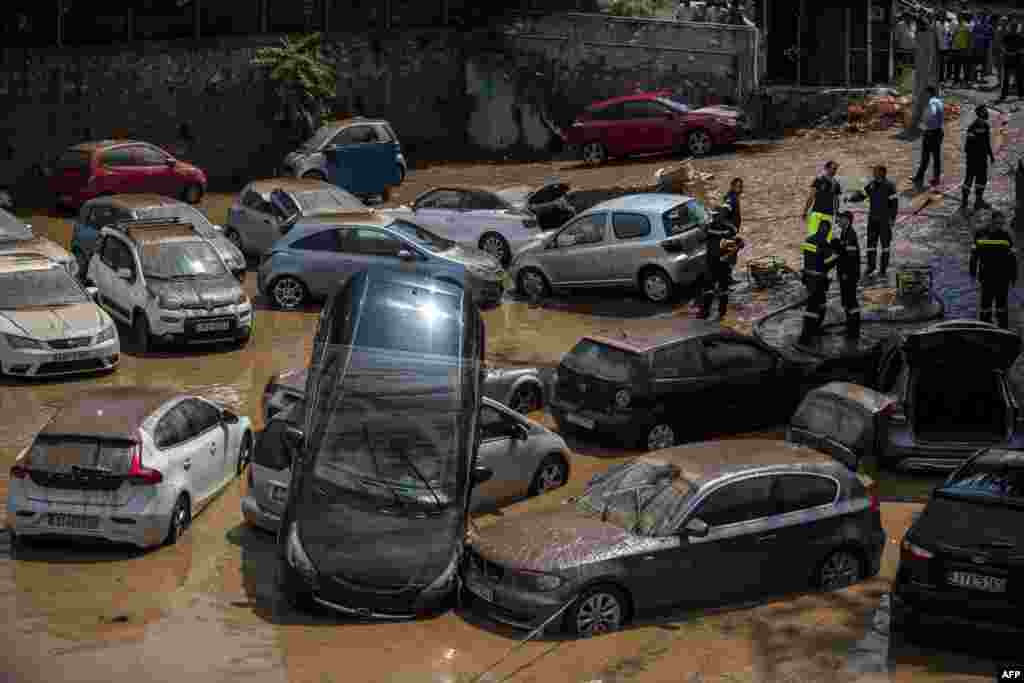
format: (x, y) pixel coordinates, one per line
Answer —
(169, 283)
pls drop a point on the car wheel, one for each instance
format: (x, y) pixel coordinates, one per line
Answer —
(181, 517)
(698, 143)
(839, 570)
(288, 293)
(141, 332)
(314, 175)
(602, 609)
(193, 193)
(656, 285)
(533, 284)
(233, 237)
(594, 153)
(244, 454)
(83, 263)
(659, 436)
(552, 474)
(526, 399)
(495, 245)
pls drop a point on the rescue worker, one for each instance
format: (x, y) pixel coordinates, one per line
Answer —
(722, 246)
(994, 263)
(884, 205)
(823, 201)
(847, 248)
(732, 201)
(978, 151)
(819, 258)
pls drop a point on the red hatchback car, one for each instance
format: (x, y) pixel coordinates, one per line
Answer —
(109, 167)
(651, 122)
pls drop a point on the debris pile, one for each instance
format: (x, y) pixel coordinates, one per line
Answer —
(682, 179)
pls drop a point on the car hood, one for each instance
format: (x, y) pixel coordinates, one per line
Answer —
(964, 523)
(37, 245)
(57, 322)
(473, 259)
(199, 292)
(556, 540)
(966, 343)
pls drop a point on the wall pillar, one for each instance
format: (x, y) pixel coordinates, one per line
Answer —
(263, 11)
(847, 34)
(60, 23)
(892, 41)
(325, 16)
(800, 42)
(871, 70)
(196, 19)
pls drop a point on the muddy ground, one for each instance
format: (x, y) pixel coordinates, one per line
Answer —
(206, 608)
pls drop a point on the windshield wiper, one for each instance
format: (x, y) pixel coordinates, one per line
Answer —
(416, 470)
(376, 468)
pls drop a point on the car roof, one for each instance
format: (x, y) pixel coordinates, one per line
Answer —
(705, 462)
(368, 217)
(341, 123)
(653, 202)
(422, 277)
(682, 331)
(635, 97)
(109, 412)
(267, 185)
(158, 231)
(101, 144)
(14, 262)
(134, 200)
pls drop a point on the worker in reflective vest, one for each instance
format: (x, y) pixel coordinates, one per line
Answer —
(994, 263)
(847, 248)
(819, 259)
(722, 245)
(823, 201)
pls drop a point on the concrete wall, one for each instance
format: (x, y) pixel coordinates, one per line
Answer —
(446, 92)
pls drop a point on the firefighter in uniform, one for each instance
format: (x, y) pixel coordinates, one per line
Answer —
(884, 204)
(722, 247)
(978, 150)
(819, 258)
(847, 248)
(823, 201)
(994, 263)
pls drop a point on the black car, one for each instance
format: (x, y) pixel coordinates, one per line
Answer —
(649, 390)
(962, 561)
(704, 524)
(376, 511)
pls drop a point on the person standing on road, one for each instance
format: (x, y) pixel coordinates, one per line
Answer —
(823, 201)
(994, 263)
(819, 259)
(982, 41)
(884, 203)
(926, 71)
(931, 144)
(961, 50)
(978, 152)
(847, 248)
(722, 245)
(1013, 47)
(731, 202)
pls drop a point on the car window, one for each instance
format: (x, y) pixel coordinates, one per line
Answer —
(681, 360)
(997, 474)
(804, 491)
(384, 135)
(740, 502)
(369, 242)
(181, 259)
(606, 362)
(173, 428)
(61, 452)
(119, 156)
(150, 156)
(630, 225)
(203, 415)
(494, 425)
(441, 199)
(102, 216)
(355, 135)
(253, 200)
(686, 216)
(271, 450)
(643, 109)
(325, 240)
(612, 112)
(482, 201)
(116, 254)
(37, 287)
(586, 230)
(729, 356)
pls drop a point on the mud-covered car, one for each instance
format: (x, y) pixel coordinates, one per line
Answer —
(704, 524)
(16, 237)
(310, 160)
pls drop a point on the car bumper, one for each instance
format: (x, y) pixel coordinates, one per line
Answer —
(53, 363)
(511, 606)
(921, 603)
(123, 524)
(569, 414)
(175, 332)
(258, 516)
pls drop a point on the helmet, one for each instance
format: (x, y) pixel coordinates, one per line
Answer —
(981, 111)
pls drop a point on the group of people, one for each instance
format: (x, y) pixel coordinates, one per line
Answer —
(713, 11)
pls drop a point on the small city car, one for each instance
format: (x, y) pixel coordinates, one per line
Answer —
(126, 464)
(650, 242)
(169, 284)
(652, 390)
(49, 324)
(92, 169)
(961, 561)
(699, 525)
(375, 519)
(16, 237)
(270, 472)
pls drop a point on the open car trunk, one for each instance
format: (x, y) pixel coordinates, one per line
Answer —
(961, 406)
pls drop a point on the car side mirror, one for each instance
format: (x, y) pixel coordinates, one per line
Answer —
(481, 474)
(228, 417)
(697, 528)
(406, 255)
(93, 292)
(124, 273)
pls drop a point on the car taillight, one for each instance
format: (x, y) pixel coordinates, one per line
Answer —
(894, 413)
(672, 246)
(139, 475)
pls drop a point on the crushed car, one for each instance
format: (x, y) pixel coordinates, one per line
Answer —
(17, 237)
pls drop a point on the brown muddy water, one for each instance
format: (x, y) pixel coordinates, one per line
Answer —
(206, 608)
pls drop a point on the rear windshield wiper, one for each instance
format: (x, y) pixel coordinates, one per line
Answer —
(98, 469)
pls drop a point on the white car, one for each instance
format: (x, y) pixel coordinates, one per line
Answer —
(474, 217)
(16, 237)
(169, 284)
(49, 324)
(126, 464)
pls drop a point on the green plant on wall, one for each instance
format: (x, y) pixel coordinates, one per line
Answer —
(305, 82)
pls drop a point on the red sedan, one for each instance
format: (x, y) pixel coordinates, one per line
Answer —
(651, 122)
(109, 167)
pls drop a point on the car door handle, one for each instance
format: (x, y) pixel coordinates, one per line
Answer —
(766, 538)
(188, 464)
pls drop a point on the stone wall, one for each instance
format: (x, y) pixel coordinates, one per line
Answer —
(446, 92)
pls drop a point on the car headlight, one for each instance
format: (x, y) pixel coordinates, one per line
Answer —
(622, 398)
(296, 556)
(17, 342)
(538, 581)
(106, 334)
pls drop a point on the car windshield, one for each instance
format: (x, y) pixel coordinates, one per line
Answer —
(673, 104)
(688, 215)
(182, 211)
(12, 229)
(421, 237)
(638, 496)
(167, 260)
(63, 453)
(39, 287)
(992, 476)
(602, 361)
(327, 199)
(319, 138)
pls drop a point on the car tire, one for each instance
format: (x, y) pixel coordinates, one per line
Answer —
(533, 284)
(656, 285)
(553, 473)
(497, 246)
(698, 143)
(594, 153)
(314, 175)
(141, 334)
(660, 435)
(234, 237)
(181, 518)
(841, 569)
(288, 293)
(192, 193)
(526, 399)
(244, 454)
(600, 609)
(83, 263)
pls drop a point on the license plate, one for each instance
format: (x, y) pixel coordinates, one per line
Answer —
(278, 494)
(72, 355)
(989, 584)
(483, 592)
(580, 421)
(66, 521)
(217, 326)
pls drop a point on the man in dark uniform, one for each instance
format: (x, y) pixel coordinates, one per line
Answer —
(978, 151)
(819, 258)
(823, 201)
(884, 204)
(995, 265)
(847, 248)
(722, 245)
(732, 201)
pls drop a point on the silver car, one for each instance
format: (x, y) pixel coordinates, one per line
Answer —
(320, 254)
(309, 161)
(527, 459)
(266, 209)
(652, 242)
(17, 238)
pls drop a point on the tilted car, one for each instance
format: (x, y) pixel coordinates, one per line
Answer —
(700, 525)
(650, 242)
(547, 202)
(952, 395)
(319, 254)
(961, 561)
(49, 324)
(169, 284)
(126, 464)
(92, 169)
(652, 390)
(646, 123)
(98, 213)
(266, 209)
(16, 237)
